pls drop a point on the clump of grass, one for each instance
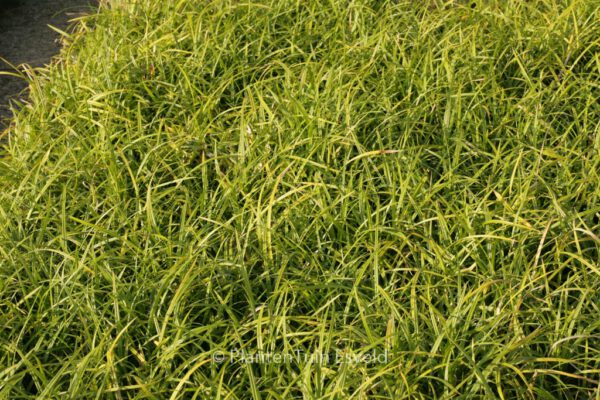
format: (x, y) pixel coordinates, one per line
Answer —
(197, 180)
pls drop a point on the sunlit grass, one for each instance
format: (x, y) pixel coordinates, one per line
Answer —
(193, 179)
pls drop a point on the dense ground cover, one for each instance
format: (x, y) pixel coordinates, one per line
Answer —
(197, 180)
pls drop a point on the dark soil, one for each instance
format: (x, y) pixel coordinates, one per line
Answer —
(25, 38)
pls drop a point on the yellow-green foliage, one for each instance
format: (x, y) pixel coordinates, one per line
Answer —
(194, 179)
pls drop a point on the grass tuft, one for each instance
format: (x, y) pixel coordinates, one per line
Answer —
(194, 183)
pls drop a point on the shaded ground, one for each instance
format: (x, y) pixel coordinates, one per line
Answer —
(25, 38)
